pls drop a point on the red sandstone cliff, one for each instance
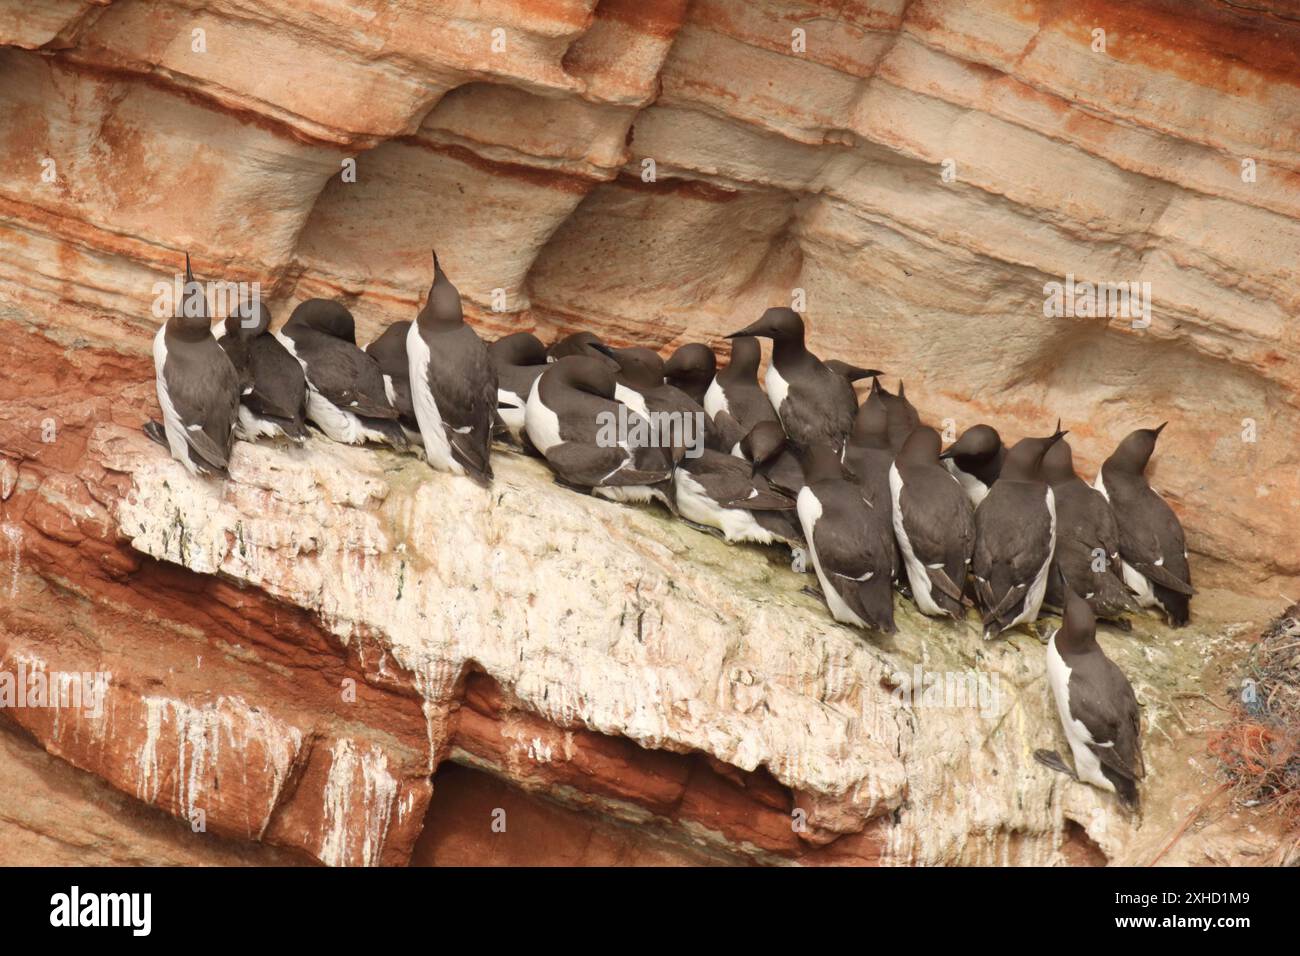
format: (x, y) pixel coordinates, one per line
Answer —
(308, 666)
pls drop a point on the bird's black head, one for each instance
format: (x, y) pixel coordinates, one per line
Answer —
(871, 424)
(638, 367)
(1058, 463)
(692, 364)
(779, 324)
(977, 444)
(819, 461)
(248, 321)
(443, 302)
(192, 309)
(518, 348)
(586, 373)
(921, 447)
(1026, 457)
(1135, 450)
(764, 442)
(326, 316)
(1079, 626)
(575, 343)
(389, 349)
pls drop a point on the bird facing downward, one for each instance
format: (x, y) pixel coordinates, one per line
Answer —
(1098, 709)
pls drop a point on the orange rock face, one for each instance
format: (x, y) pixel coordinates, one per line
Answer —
(911, 176)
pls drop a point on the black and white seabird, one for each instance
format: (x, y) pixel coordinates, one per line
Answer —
(722, 491)
(975, 459)
(566, 419)
(1098, 709)
(691, 368)
(1015, 537)
(518, 359)
(768, 450)
(453, 384)
(1087, 540)
(868, 455)
(198, 387)
(641, 387)
(345, 387)
(903, 416)
(814, 403)
(273, 389)
(934, 523)
(389, 350)
(1152, 548)
(735, 402)
(849, 540)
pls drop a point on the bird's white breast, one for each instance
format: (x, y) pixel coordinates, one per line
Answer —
(777, 387)
(809, 510)
(173, 427)
(1038, 587)
(512, 410)
(715, 399)
(1086, 763)
(541, 423)
(437, 448)
(633, 400)
(917, 574)
(974, 488)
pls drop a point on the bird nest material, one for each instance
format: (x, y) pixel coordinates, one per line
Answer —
(1260, 747)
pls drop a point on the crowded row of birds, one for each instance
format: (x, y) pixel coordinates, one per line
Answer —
(864, 492)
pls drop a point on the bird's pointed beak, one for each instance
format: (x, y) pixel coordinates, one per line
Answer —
(946, 454)
(1159, 429)
(753, 329)
(189, 275)
(1058, 435)
(856, 374)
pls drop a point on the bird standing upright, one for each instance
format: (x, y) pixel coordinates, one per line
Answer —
(814, 403)
(1015, 538)
(734, 400)
(1151, 542)
(453, 384)
(934, 523)
(1087, 540)
(849, 540)
(198, 387)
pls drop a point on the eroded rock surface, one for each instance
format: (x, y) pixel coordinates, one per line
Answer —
(916, 171)
(293, 653)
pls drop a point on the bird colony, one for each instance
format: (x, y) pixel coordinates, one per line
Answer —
(864, 495)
